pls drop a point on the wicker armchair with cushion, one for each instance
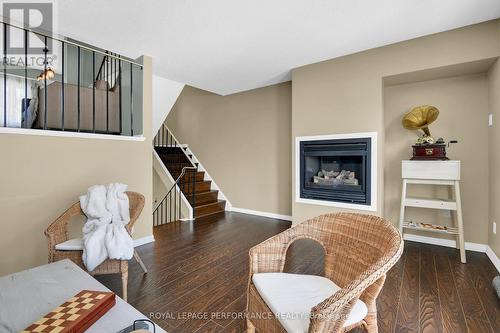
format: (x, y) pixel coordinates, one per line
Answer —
(359, 250)
(60, 247)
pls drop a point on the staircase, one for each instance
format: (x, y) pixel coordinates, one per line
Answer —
(192, 183)
(108, 74)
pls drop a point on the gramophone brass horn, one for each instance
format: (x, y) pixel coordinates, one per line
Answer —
(420, 117)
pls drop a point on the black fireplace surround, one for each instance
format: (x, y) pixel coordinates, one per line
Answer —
(336, 170)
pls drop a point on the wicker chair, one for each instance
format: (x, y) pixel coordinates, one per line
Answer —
(57, 232)
(359, 250)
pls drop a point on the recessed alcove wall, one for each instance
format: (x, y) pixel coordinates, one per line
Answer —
(460, 92)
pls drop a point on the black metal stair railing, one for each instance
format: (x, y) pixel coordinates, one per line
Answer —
(169, 208)
(108, 70)
(111, 71)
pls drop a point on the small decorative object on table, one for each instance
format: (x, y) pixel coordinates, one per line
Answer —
(140, 326)
(434, 226)
(412, 224)
(415, 225)
(429, 152)
(425, 147)
(75, 315)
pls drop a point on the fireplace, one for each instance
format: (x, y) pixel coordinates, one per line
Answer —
(336, 171)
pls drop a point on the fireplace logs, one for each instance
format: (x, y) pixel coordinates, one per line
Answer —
(343, 177)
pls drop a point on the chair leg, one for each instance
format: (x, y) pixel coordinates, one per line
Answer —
(250, 327)
(370, 322)
(124, 285)
(370, 298)
(139, 260)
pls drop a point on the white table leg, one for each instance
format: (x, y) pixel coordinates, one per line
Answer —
(460, 222)
(402, 210)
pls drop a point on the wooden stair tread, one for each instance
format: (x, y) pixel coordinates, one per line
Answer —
(209, 214)
(169, 150)
(198, 182)
(202, 203)
(202, 198)
(174, 159)
(211, 208)
(177, 164)
(207, 192)
(200, 175)
(213, 203)
(200, 186)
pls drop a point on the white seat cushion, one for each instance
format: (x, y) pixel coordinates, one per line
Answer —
(292, 296)
(75, 244)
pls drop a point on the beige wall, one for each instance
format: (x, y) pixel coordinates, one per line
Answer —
(463, 105)
(159, 188)
(336, 97)
(345, 95)
(243, 140)
(41, 176)
(494, 156)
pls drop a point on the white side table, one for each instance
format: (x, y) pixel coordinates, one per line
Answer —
(28, 295)
(445, 173)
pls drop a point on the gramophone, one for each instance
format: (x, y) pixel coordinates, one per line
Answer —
(425, 147)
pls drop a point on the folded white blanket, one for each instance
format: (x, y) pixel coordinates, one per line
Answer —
(104, 233)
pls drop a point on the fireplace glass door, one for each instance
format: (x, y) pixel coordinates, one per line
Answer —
(336, 170)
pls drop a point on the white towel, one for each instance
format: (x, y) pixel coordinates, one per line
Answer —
(104, 233)
(118, 241)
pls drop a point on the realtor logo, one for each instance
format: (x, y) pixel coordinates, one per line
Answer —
(36, 16)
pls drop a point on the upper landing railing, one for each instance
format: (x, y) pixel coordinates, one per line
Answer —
(64, 85)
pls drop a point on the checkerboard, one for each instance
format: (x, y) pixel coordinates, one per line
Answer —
(76, 314)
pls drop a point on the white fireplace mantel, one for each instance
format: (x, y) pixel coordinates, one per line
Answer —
(373, 186)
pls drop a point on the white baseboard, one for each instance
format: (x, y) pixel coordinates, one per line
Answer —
(445, 242)
(260, 213)
(144, 240)
(493, 257)
(483, 248)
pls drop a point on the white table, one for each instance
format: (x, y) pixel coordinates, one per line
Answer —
(440, 173)
(28, 295)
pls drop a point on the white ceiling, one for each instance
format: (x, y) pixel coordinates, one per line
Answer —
(227, 46)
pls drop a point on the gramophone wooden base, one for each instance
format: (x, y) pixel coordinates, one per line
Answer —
(429, 152)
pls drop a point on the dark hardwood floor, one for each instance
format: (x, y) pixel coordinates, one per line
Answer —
(201, 269)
